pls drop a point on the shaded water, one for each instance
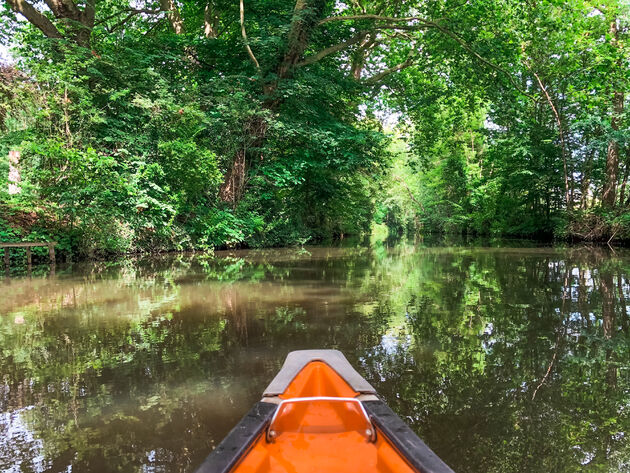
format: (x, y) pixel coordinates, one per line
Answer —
(501, 359)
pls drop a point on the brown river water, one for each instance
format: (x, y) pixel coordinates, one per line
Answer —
(503, 359)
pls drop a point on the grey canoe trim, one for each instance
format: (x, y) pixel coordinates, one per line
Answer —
(234, 447)
(404, 439)
(296, 360)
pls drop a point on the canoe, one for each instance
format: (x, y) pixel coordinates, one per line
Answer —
(319, 415)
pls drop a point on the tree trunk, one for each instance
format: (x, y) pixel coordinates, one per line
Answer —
(360, 56)
(624, 182)
(211, 22)
(305, 17)
(612, 167)
(306, 14)
(563, 146)
(86, 24)
(235, 179)
(14, 173)
(35, 17)
(586, 181)
(232, 188)
(612, 154)
(608, 303)
(173, 15)
(77, 23)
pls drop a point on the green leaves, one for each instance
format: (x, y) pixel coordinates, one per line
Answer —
(492, 98)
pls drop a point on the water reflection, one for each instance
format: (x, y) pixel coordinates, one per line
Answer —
(502, 359)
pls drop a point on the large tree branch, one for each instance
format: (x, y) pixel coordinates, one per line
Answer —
(89, 14)
(54, 7)
(360, 36)
(70, 8)
(562, 140)
(304, 21)
(35, 17)
(421, 23)
(245, 40)
(360, 56)
(173, 15)
(135, 11)
(153, 27)
(388, 19)
(381, 75)
(398, 27)
(479, 57)
(63, 9)
(79, 22)
(121, 22)
(306, 14)
(333, 49)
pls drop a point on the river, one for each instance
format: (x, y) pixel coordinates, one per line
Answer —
(503, 359)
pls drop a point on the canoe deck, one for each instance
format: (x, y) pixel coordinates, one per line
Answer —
(324, 434)
(319, 415)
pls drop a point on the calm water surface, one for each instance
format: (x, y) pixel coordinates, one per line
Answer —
(501, 359)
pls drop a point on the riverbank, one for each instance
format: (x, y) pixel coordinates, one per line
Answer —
(35, 226)
(20, 223)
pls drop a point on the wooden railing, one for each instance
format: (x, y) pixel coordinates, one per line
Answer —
(28, 245)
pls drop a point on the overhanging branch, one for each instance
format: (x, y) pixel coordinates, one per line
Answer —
(134, 11)
(418, 22)
(35, 17)
(172, 13)
(381, 75)
(245, 40)
(388, 19)
(485, 61)
(333, 49)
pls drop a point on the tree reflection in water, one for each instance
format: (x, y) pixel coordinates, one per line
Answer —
(502, 359)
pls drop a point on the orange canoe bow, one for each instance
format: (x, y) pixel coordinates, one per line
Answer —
(319, 415)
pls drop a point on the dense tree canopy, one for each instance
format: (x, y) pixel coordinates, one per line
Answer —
(177, 124)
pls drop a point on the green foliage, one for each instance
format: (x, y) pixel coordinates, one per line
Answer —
(487, 153)
(150, 136)
(125, 145)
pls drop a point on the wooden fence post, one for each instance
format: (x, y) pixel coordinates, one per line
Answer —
(27, 245)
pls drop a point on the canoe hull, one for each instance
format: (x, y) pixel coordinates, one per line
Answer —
(319, 414)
